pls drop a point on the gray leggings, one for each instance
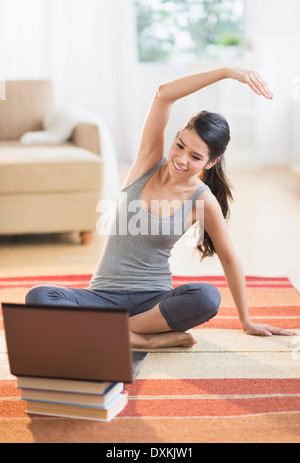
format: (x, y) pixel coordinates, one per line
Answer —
(183, 308)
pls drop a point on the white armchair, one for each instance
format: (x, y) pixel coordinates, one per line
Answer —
(48, 184)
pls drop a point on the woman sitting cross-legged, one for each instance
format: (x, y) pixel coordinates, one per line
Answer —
(160, 200)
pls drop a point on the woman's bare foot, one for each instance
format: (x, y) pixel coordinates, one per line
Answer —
(155, 340)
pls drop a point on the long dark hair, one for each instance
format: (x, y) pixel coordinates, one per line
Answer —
(214, 130)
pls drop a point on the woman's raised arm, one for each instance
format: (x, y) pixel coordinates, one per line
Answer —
(152, 140)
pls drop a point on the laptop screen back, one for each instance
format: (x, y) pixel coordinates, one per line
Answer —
(68, 342)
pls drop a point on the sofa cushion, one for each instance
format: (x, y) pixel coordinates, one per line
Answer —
(24, 213)
(48, 169)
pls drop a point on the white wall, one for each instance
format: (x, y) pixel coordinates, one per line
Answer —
(263, 132)
(276, 39)
(88, 49)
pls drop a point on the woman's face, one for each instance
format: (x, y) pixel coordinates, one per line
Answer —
(189, 155)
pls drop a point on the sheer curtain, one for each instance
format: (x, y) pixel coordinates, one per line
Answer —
(87, 48)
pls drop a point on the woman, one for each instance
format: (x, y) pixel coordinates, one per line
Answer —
(133, 270)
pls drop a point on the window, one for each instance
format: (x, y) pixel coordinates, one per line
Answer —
(180, 31)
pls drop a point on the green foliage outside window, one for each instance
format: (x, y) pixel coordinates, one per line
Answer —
(176, 30)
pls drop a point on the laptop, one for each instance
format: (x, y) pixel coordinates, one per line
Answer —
(64, 342)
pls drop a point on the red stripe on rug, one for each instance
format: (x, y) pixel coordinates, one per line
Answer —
(174, 277)
(47, 278)
(85, 285)
(210, 407)
(224, 285)
(216, 386)
(83, 280)
(222, 278)
(58, 283)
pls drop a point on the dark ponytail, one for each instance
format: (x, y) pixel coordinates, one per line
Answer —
(217, 181)
(213, 129)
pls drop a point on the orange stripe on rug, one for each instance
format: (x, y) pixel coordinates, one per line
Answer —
(264, 296)
(275, 428)
(234, 323)
(216, 386)
(264, 311)
(8, 388)
(185, 407)
(13, 408)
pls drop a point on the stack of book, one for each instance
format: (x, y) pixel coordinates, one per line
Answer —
(100, 401)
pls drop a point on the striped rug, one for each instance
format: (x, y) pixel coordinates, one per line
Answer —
(229, 387)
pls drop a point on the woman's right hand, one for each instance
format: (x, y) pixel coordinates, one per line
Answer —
(251, 78)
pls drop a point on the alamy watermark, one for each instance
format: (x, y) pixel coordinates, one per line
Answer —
(167, 218)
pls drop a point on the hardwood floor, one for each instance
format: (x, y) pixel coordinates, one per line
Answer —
(264, 225)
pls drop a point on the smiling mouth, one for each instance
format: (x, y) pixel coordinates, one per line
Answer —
(179, 169)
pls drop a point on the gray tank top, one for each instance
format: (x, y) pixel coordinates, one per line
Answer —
(137, 251)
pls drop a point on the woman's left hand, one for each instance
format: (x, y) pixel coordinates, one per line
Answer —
(251, 78)
(265, 330)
